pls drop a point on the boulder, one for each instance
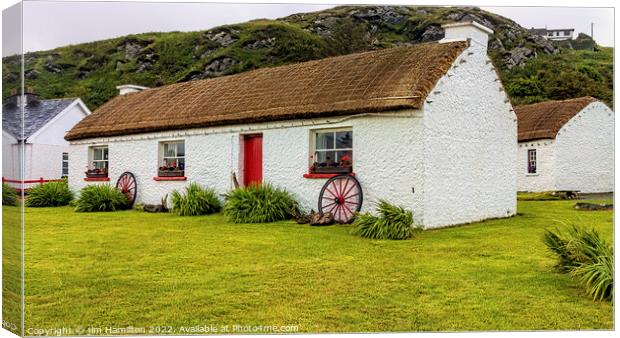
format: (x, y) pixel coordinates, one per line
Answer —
(219, 66)
(593, 206)
(31, 74)
(264, 43)
(320, 219)
(432, 33)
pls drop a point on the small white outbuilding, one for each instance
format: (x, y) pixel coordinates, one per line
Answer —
(45, 123)
(566, 146)
(427, 126)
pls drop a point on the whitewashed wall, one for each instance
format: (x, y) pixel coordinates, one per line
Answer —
(10, 157)
(470, 144)
(585, 151)
(545, 177)
(387, 153)
(43, 151)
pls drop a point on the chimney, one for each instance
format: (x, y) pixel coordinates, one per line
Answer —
(129, 88)
(477, 34)
(28, 98)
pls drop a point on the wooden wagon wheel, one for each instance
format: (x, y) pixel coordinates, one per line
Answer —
(127, 185)
(342, 196)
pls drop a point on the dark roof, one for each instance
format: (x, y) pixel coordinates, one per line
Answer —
(388, 79)
(36, 115)
(545, 119)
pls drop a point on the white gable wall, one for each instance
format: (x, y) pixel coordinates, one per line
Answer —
(387, 158)
(470, 145)
(585, 151)
(545, 177)
(10, 156)
(43, 152)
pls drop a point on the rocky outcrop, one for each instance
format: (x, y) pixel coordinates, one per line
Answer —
(132, 47)
(223, 37)
(264, 43)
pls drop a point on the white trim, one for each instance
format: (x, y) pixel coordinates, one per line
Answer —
(76, 102)
(5, 133)
(131, 86)
(468, 23)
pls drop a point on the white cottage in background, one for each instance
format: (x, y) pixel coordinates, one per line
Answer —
(45, 123)
(566, 145)
(427, 126)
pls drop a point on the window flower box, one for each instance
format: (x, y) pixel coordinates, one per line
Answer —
(332, 170)
(170, 173)
(96, 173)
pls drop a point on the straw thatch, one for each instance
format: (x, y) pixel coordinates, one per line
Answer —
(389, 79)
(545, 119)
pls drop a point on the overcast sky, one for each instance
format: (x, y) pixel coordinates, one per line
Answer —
(50, 24)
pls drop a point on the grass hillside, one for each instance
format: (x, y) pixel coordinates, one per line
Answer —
(532, 68)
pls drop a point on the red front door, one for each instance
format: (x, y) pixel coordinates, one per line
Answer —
(253, 159)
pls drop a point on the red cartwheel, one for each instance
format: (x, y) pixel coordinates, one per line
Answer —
(342, 196)
(128, 186)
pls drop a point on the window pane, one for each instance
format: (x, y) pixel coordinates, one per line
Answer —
(344, 139)
(325, 140)
(181, 149)
(326, 157)
(65, 156)
(65, 165)
(97, 154)
(169, 150)
(101, 164)
(181, 163)
(105, 154)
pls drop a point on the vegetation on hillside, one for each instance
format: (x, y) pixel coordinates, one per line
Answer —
(532, 68)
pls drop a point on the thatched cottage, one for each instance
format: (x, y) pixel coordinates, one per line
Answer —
(566, 145)
(426, 126)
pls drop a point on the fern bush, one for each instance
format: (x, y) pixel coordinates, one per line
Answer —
(101, 197)
(51, 194)
(392, 222)
(9, 197)
(585, 256)
(196, 201)
(260, 204)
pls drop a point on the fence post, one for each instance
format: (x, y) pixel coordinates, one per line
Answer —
(40, 180)
(3, 179)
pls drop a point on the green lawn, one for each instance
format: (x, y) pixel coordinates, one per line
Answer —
(135, 269)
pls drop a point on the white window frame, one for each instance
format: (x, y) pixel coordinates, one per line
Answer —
(314, 151)
(162, 154)
(532, 158)
(62, 168)
(105, 161)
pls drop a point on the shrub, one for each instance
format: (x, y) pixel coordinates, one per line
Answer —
(196, 201)
(51, 194)
(586, 256)
(100, 198)
(393, 222)
(260, 203)
(9, 197)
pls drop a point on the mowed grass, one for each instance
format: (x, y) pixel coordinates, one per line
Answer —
(136, 269)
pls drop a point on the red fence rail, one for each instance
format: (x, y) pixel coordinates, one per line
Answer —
(40, 181)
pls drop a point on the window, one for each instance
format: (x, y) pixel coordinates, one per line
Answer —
(99, 162)
(172, 158)
(332, 151)
(65, 164)
(531, 161)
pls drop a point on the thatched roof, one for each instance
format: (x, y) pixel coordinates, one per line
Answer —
(389, 79)
(545, 119)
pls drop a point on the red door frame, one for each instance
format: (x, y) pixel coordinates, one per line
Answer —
(252, 159)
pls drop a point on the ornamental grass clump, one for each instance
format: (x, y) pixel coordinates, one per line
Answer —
(51, 194)
(585, 256)
(393, 222)
(197, 200)
(9, 197)
(260, 204)
(101, 197)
